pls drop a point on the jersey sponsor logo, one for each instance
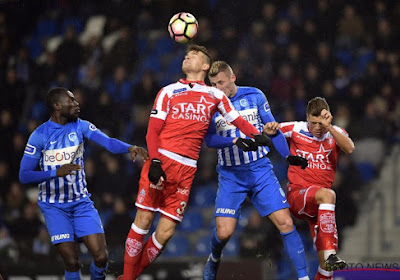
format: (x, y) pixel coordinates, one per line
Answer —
(183, 191)
(250, 115)
(327, 222)
(267, 107)
(318, 159)
(29, 149)
(72, 136)
(62, 156)
(92, 127)
(53, 142)
(59, 237)
(133, 247)
(304, 138)
(225, 211)
(196, 110)
(152, 253)
(179, 90)
(243, 102)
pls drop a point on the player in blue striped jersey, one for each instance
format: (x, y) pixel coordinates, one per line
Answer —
(244, 170)
(57, 146)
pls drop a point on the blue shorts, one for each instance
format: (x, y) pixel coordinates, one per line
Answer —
(65, 221)
(256, 180)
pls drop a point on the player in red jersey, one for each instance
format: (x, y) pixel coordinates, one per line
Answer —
(178, 124)
(309, 190)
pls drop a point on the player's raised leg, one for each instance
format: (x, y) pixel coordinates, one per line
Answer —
(293, 245)
(326, 234)
(154, 245)
(134, 242)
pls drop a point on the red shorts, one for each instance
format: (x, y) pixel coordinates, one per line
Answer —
(303, 206)
(171, 197)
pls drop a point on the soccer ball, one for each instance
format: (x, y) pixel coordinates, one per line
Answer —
(183, 27)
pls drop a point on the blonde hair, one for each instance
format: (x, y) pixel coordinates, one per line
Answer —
(219, 66)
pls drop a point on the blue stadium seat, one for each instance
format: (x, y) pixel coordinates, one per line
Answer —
(164, 45)
(367, 171)
(72, 21)
(151, 63)
(345, 57)
(178, 246)
(204, 195)
(202, 246)
(232, 248)
(192, 221)
(46, 28)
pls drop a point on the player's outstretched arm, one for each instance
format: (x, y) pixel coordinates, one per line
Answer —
(342, 140)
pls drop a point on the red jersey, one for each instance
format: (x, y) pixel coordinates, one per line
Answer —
(322, 154)
(187, 108)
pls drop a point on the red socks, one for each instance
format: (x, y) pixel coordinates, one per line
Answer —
(327, 233)
(133, 251)
(323, 274)
(151, 251)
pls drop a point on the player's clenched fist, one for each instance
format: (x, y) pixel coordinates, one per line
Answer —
(271, 128)
(326, 118)
(156, 171)
(67, 169)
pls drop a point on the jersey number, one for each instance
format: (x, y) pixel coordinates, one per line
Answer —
(181, 210)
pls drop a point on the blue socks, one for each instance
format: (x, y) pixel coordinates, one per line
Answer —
(75, 275)
(98, 273)
(216, 245)
(294, 247)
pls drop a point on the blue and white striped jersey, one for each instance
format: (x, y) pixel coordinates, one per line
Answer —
(53, 145)
(253, 106)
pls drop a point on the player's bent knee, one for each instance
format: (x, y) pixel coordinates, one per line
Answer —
(101, 258)
(224, 233)
(72, 264)
(143, 220)
(285, 224)
(325, 195)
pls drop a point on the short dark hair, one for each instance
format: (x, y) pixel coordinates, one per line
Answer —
(316, 105)
(198, 48)
(53, 96)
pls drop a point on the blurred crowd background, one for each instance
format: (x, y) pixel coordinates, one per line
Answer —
(115, 56)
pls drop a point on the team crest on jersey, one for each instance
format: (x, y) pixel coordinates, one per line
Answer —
(72, 136)
(142, 194)
(133, 247)
(30, 150)
(243, 102)
(92, 127)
